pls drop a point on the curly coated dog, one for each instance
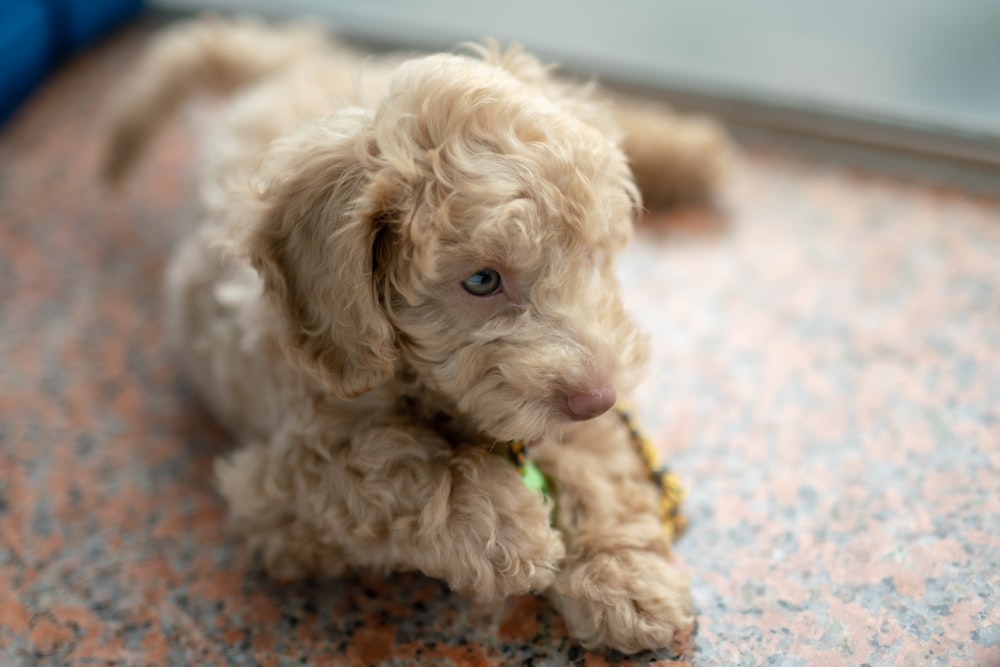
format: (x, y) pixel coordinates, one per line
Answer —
(400, 266)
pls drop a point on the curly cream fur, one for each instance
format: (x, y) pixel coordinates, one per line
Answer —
(320, 309)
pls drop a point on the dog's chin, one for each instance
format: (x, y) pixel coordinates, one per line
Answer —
(546, 425)
(531, 420)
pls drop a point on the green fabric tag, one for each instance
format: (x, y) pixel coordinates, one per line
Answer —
(534, 478)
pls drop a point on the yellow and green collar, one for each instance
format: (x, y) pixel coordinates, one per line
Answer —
(669, 486)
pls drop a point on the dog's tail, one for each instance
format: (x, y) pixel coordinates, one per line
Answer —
(207, 55)
(676, 159)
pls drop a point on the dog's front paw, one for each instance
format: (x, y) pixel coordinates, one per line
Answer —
(523, 561)
(497, 537)
(520, 554)
(628, 600)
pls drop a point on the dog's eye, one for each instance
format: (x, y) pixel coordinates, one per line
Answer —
(485, 282)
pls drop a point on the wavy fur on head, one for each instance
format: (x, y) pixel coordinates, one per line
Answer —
(325, 308)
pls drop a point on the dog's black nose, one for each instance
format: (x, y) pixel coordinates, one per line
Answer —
(590, 404)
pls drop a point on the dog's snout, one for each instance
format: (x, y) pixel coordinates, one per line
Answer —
(590, 404)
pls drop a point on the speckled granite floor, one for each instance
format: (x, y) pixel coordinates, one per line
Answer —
(826, 381)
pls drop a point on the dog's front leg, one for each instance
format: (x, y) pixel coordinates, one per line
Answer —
(391, 497)
(617, 587)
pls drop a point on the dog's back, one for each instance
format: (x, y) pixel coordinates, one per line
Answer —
(207, 55)
(276, 77)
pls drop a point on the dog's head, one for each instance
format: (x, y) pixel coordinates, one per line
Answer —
(464, 229)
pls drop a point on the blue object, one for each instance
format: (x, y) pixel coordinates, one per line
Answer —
(26, 48)
(83, 21)
(36, 35)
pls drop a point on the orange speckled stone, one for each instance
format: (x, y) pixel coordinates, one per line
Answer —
(825, 380)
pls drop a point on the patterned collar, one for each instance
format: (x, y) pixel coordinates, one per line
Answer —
(667, 484)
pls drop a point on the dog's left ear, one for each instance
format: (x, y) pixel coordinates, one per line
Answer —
(314, 245)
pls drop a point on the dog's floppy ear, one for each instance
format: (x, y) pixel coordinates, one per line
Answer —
(313, 243)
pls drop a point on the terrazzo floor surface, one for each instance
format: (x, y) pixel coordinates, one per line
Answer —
(826, 380)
